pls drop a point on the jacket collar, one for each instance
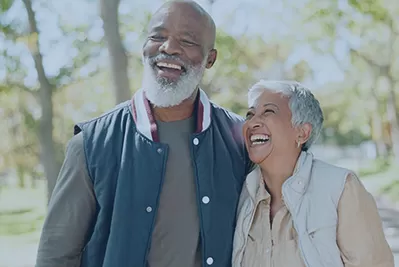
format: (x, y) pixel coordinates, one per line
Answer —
(298, 181)
(145, 122)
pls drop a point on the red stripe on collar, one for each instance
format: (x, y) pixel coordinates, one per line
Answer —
(153, 124)
(200, 113)
(134, 113)
(145, 121)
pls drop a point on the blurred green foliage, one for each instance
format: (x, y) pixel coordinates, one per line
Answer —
(356, 107)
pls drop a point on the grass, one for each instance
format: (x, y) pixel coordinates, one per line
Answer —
(375, 167)
(20, 222)
(391, 190)
(22, 211)
(386, 181)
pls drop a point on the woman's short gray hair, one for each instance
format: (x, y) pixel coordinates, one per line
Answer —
(305, 108)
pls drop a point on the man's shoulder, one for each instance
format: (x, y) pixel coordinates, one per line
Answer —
(105, 118)
(225, 114)
(115, 110)
(75, 144)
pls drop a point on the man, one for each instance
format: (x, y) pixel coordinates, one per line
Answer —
(154, 182)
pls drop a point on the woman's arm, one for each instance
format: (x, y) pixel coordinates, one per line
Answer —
(360, 234)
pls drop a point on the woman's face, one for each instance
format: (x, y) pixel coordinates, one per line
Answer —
(268, 130)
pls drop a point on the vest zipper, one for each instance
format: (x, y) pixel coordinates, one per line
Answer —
(246, 230)
(296, 229)
(271, 251)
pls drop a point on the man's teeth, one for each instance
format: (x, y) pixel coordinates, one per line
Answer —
(257, 139)
(168, 65)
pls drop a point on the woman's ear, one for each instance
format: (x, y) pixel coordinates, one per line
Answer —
(304, 132)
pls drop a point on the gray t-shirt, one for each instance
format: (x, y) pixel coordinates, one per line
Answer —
(175, 240)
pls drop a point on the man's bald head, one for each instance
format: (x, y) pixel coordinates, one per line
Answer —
(193, 7)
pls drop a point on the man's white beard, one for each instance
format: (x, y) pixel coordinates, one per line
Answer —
(162, 93)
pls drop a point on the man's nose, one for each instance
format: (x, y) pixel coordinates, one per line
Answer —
(170, 47)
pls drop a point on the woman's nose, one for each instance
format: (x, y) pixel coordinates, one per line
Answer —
(255, 123)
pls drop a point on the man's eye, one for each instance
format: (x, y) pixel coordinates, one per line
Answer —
(269, 110)
(157, 37)
(187, 42)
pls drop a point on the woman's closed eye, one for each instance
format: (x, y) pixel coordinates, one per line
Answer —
(269, 110)
(249, 115)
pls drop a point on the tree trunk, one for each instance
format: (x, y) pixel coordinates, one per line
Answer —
(117, 53)
(21, 177)
(377, 125)
(392, 112)
(45, 131)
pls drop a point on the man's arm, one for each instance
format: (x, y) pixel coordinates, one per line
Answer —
(360, 234)
(71, 210)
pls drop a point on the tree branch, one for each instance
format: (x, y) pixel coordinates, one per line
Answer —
(37, 56)
(13, 84)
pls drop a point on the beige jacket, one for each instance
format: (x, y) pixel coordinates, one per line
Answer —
(329, 220)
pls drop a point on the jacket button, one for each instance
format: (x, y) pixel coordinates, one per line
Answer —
(205, 200)
(159, 150)
(195, 141)
(148, 209)
(209, 261)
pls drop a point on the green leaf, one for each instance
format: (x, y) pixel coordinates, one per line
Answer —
(4, 88)
(5, 5)
(374, 8)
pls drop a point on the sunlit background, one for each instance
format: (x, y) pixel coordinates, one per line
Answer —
(65, 61)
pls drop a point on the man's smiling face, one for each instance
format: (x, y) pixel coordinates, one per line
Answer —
(176, 53)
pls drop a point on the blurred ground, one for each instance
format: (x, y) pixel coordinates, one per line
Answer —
(22, 213)
(21, 216)
(389, 211)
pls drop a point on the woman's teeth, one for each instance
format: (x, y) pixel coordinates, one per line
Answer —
(258, 139)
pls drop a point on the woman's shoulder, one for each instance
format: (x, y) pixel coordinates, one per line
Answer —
(329, 178)
(330, 171)
(250, 186)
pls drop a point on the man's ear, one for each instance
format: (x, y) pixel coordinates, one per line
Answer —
(211, 58)
(304, 132)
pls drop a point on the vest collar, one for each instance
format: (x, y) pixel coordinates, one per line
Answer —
(145, 122)
(298, 181)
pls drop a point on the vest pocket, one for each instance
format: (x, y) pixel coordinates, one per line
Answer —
(321, 231)
(322, 237)
(321, 234)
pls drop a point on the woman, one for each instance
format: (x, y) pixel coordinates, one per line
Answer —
(295, 210)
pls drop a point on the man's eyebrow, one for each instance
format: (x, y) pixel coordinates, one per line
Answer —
(190, 34)
(156, 29)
